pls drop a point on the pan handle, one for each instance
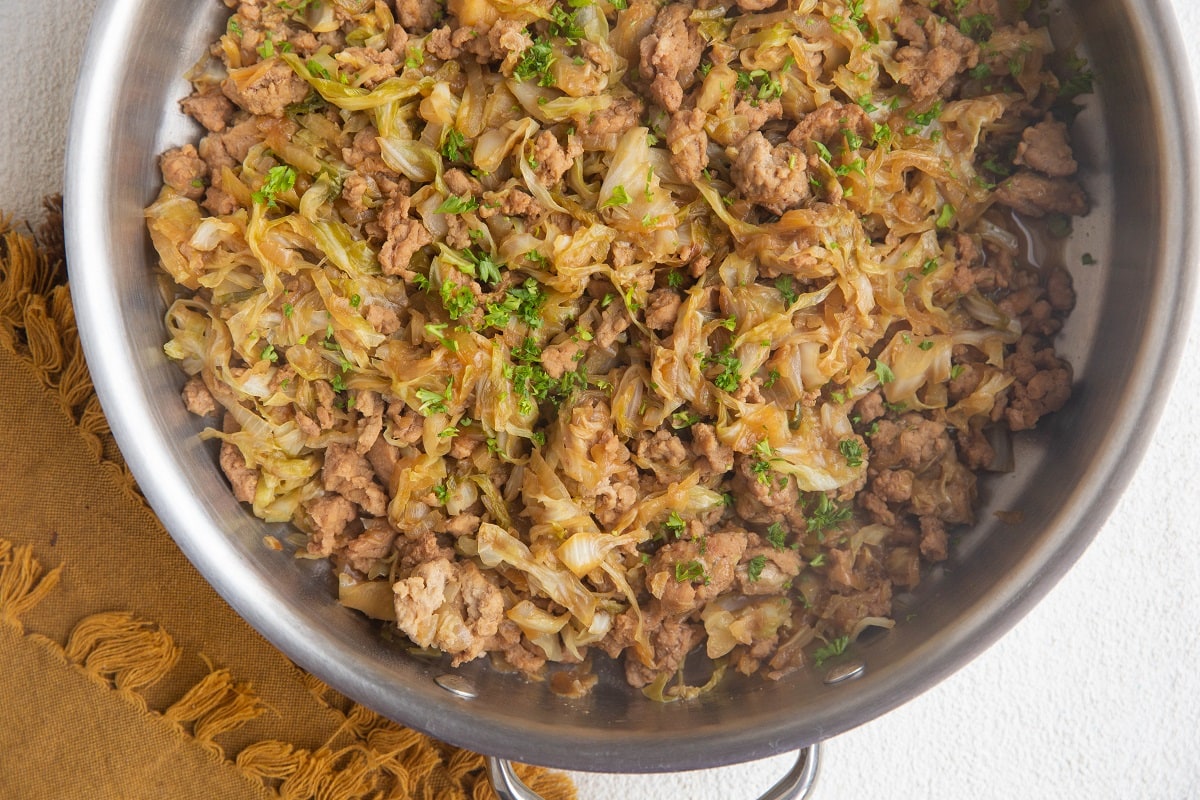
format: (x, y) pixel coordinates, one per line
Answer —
(796, 785)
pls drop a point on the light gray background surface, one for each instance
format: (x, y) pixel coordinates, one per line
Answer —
(1095, 694)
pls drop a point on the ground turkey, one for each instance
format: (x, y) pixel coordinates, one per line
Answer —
(773, 177)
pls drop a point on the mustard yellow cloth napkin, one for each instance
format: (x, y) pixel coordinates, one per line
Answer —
(124, 674)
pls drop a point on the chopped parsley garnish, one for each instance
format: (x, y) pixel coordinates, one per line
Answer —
(884, 373)
(977, 26)
(441, 492)
(457, 205)
(481, 266)
(564, 25)
(454, 146)
(926, 117)
(675, 525)
(269, 354)
(619, 197)
(946, 217)
(834, 648)
(825, 514)
(458, 300)
(674, 279)
(438, 332)
(687, 571)
(536, 61)
(851, 449)
(777, 535)
(760, 462)
(684, 419)
(1079, 79)
(523, 301)
(730, 376)
(772, 378)
(818, 560)
(279, 179)
(929, 266)
(787, 287)
(758, 85)
(434, 403)
(754, 568)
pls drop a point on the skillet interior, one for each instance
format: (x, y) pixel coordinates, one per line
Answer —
(1120, 339)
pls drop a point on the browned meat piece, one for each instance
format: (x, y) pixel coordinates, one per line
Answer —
(1036, 195)
(184, 171)
(755, 5)
(1046, 148)
(947, 492)
(507, 40)
(417, 16)
(602, 129)
(243, 479)
(210, 108)
(420, 548)
(451, 606)
(683, 576)
(762, 497)
(330, 515)
(197, 398)
(974, 449)
(671, 641)
(828, 122)
(383, 458)
(230, 147)
(462, 525)
(1043, 384)
(774, 568)
(911, 442)
(671, 54)
(374, 543)
(688, 143)
(405, 236)
(350, 475)
(370, 421)
(934, 544)
(870, 407)
(517, 651)
(461, 184)
(559, 359)
(552, 159)
(936, 52)
(1060, 290)
(757, 113)
(439, 44)
(662, 450)
(773, 177)
(266, 88)
(613, 322)
(715, 458)
(662, 308)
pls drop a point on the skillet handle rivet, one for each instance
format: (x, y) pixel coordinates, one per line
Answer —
(458, 685)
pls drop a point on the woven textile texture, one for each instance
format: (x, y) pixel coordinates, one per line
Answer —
(126, 675)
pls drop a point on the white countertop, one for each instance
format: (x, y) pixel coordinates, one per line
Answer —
(1095, 694)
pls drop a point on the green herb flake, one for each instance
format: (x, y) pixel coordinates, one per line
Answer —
(777, 535)
(619, 197)
(688, 571)
(754, 568)
(828, 651)
(852, 450)
(280, 179)
(884, 373)
(536, 61)
(457, 205)
(433, 402)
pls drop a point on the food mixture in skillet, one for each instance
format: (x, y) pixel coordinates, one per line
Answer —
(613, 326)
